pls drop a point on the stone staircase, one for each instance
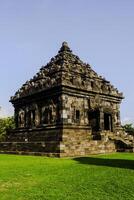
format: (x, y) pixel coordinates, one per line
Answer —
(123, 141)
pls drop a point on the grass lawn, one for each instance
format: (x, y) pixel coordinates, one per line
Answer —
(101, 177)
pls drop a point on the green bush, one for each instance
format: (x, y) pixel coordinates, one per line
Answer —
(6, 124)
(129, 128)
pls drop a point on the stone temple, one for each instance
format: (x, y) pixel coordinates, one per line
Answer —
(67, 109)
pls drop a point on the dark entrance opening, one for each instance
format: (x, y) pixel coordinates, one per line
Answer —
(94, 122)
(77, 116)
(93, 117)
(107, 122)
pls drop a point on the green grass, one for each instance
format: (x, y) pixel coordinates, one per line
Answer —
(102, 177)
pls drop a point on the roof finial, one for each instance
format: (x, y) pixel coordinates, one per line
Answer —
(64, 47)
(65, 44)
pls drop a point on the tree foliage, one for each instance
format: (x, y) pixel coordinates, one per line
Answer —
(5, 125)
(129, 128)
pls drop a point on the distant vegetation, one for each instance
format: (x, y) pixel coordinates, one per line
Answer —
(6, 124)
(129, 128)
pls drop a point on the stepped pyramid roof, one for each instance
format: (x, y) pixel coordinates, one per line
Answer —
(66, 69)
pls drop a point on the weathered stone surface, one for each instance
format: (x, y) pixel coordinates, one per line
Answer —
(67, 109)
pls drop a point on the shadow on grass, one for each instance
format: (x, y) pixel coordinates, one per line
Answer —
(117, 163)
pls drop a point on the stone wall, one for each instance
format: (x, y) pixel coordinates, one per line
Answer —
(79, 142)
(72, 104)
(38, 112)
(83, 104)
(70, 141)
(44, 141)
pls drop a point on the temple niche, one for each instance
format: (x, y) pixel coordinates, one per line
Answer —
(67, 109)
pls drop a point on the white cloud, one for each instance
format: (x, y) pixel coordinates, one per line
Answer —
(5, 112)
(127, 120)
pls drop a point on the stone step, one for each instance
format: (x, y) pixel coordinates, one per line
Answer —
(32, 139)
(47, 147)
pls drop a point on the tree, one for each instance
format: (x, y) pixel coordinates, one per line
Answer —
(129, 128)
(5, 125)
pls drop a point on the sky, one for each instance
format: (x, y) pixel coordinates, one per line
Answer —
(100, 32)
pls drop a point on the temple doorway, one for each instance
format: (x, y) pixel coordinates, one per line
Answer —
(93, 117)
(107, 121)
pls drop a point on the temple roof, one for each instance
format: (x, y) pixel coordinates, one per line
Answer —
(68, 70)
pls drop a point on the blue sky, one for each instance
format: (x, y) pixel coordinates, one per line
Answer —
(100, 32)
